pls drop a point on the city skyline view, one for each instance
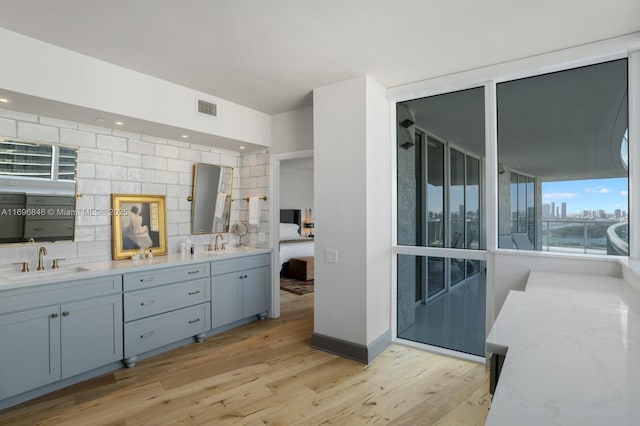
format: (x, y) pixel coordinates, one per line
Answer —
(588, 194)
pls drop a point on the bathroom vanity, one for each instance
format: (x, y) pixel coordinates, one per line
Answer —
(59, 327)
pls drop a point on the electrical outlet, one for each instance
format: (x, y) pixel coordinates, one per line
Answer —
(331, 256)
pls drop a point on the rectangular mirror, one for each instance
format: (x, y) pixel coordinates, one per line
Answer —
(211, 198)
(37, 191)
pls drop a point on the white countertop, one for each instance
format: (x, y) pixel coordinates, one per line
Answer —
(573, 352)
(12, 279)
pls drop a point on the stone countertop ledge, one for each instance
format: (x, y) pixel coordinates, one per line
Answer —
(572, 346)
(13, 278)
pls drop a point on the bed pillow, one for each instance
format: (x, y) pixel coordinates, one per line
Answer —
(288, 231)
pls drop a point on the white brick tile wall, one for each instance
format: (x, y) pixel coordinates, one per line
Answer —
(63, 124)
(153, 162)
(98, 156)
(21, 116)
(77, 138)
(8, 128)
(189, 154)
(166, 177)
(140, 175)
(154, 188)
(140, 147)
(111, 172)
(154, 139)
(210, 157)
(126, 187)
(167, 151)
(180, 165)
(126, 160)
(112, 143)
(38, 132)
(117, 161)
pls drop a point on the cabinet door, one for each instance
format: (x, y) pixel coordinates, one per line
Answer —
(226, 302)
(255, 291)
(29, 350)
(91, 334)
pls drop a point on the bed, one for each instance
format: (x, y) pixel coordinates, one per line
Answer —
(292, 244)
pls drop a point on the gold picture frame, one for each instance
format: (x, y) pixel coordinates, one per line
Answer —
(138, 224)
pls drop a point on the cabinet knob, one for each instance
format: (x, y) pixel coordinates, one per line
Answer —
(54, 315)
(66, 314)
(246, 276)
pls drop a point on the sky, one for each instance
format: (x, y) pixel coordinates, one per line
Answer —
(590, 194)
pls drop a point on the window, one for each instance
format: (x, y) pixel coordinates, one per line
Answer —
(562, 154)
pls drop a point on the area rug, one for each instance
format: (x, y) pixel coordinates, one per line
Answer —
(296, 286)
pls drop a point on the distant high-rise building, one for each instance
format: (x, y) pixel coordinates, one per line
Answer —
(546, 211)
(586, 213)
(618, 213)
(558, 211)
(602, 214)
(553, 209)
(564, 210)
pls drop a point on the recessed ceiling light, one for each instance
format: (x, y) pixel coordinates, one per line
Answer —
(242, 147)
(4, 100)
(100, 119)
(185, 136)
(119, 123)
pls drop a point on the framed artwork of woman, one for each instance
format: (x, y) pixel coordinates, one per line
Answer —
(138, 224)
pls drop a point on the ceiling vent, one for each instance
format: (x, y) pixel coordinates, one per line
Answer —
(208, 108)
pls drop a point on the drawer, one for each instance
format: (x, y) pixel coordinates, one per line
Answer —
(150, 333)
(155, 277)
(152, 301)
(34, 201)
(39, 229)
(16, 199)
(219, 267)
(49, 294)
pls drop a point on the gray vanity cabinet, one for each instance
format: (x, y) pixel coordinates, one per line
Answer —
(163, 306)
(91, 334)
(55, 331)
(29, 350)
(240, 288)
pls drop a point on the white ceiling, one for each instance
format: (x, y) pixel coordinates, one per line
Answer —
(270, 55)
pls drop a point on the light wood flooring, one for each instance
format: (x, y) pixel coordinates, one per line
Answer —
(266, 373)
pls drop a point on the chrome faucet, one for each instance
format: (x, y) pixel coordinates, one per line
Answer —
(42, 251)
(216, 243)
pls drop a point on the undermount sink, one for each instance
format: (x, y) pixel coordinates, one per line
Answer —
(17, 276)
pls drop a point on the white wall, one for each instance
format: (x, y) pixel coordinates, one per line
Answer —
(378, 210)
(352, 216)
(112, 161)
(296, 184)
(292, 131)
(50, 72)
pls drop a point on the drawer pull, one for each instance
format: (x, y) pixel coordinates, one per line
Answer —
(54, 315)
(144, 280)
(193, 272)
(65, 314)
(191, 293)
(148, 334)
(246, 276)
(194, 321)
(148, 302)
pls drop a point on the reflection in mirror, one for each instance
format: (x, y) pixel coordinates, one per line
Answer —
(37, 191)
(211, 198)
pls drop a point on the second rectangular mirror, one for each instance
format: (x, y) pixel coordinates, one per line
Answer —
(211, 198)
